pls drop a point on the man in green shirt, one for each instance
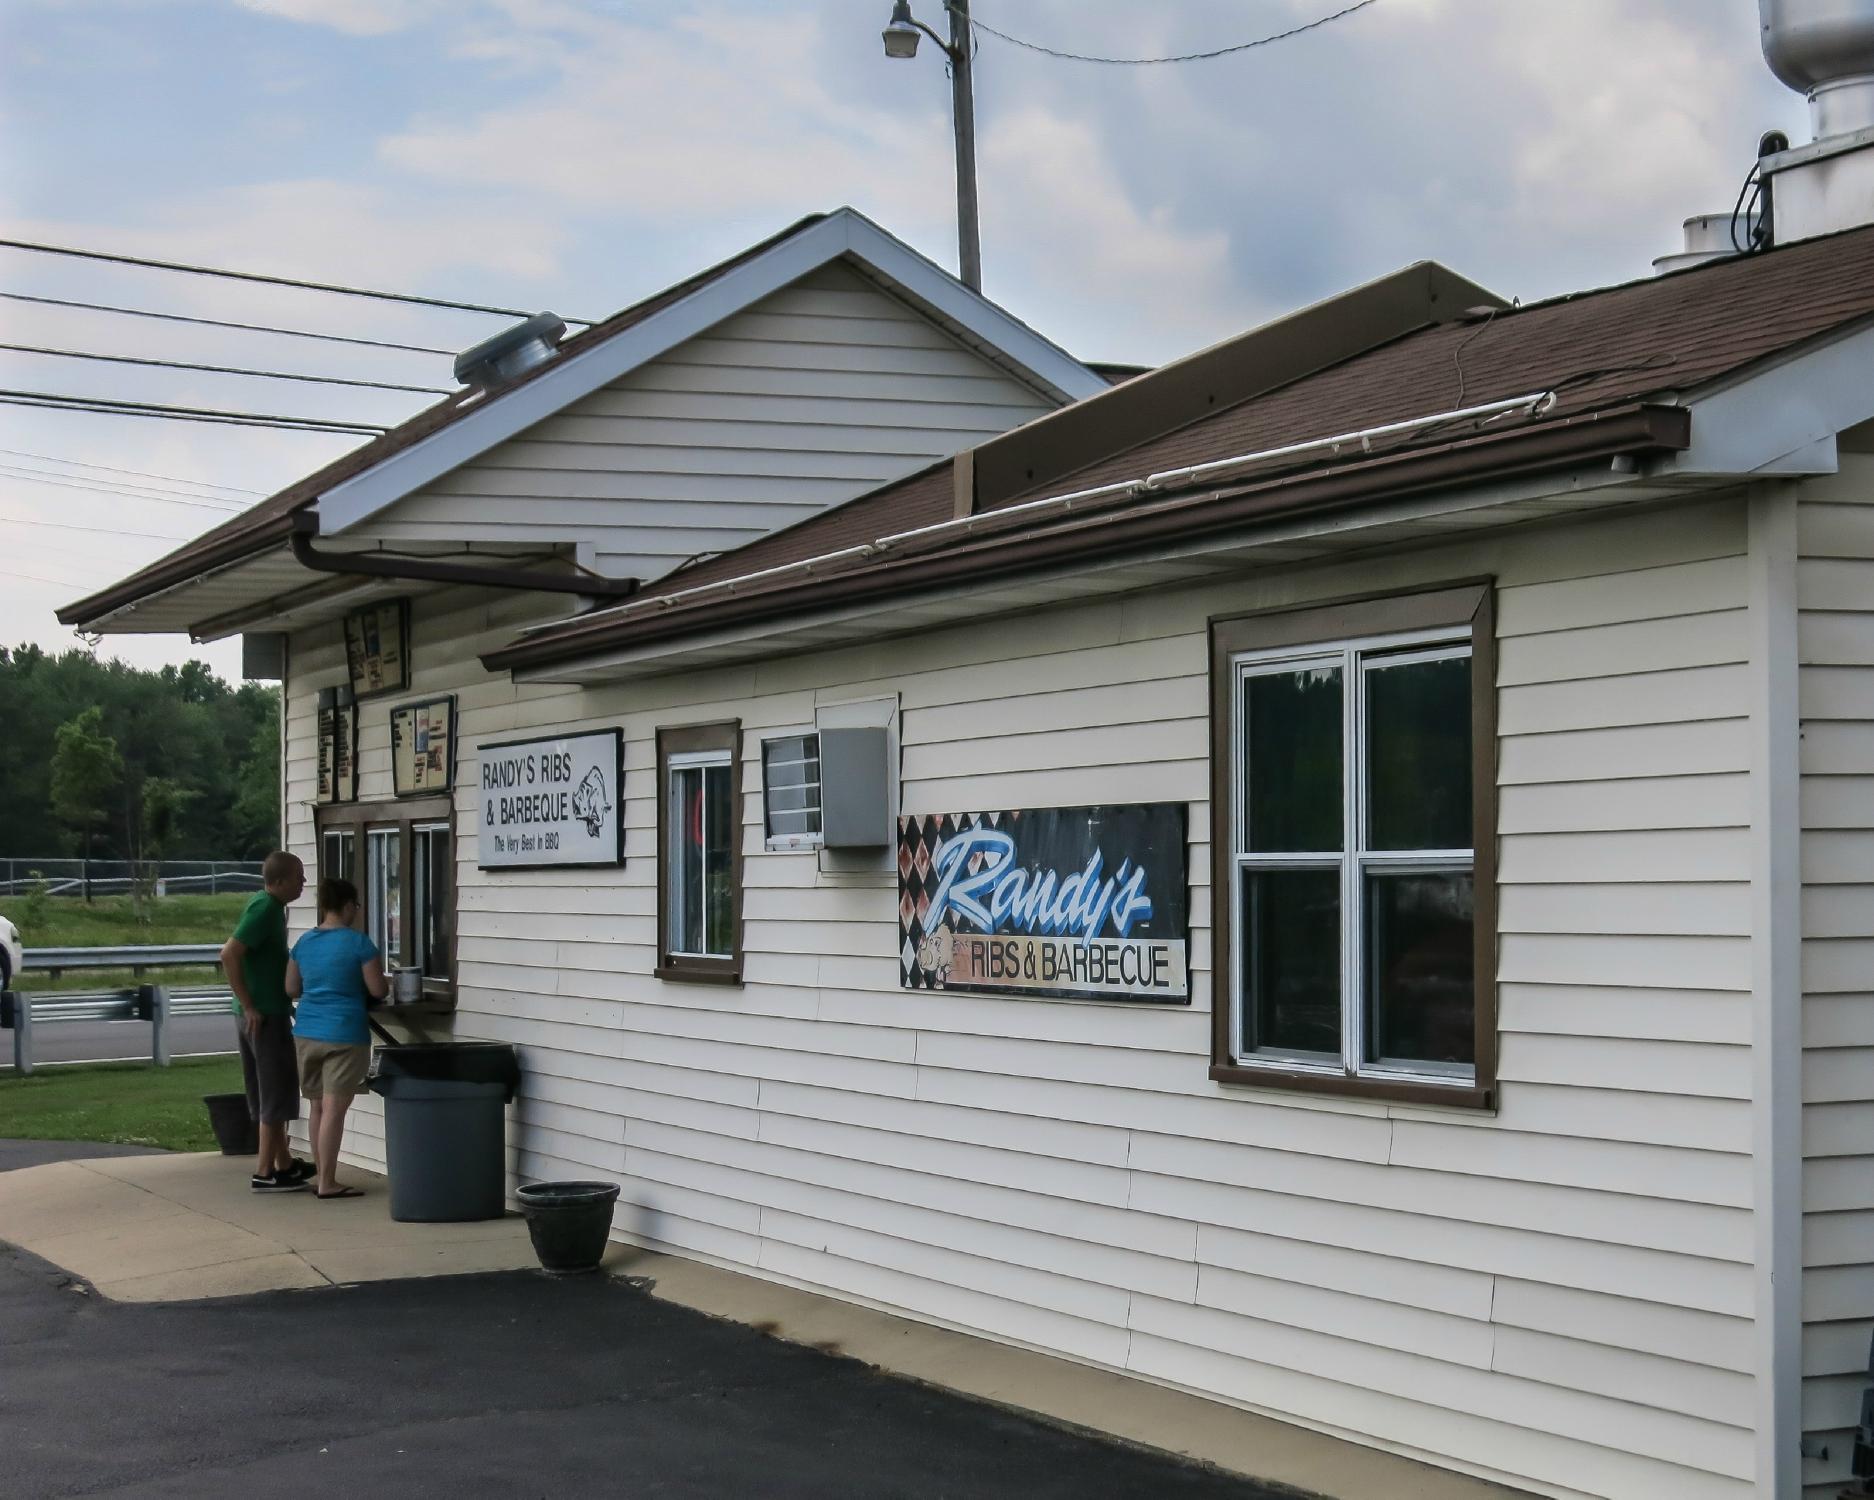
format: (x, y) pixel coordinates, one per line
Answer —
(254, 960)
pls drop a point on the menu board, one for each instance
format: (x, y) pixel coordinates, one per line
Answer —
(422, 747)
(377, 648)
(338, 753)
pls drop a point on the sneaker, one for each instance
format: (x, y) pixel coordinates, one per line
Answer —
(301, 1170)
(277, 1182)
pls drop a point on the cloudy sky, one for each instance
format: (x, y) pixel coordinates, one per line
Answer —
(579, 154)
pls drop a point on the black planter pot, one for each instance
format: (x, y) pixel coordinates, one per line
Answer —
(569, 1223)
(235, 1130)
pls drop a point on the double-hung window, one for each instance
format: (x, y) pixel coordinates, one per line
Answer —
(699, 821)
(400, 855)
(1355, 770)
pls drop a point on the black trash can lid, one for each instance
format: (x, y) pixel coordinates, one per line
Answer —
(452, 1062)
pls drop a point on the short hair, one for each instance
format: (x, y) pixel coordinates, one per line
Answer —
(279, 866)
(336, 894)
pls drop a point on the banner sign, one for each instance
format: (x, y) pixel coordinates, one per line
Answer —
(553, 802)
(377, 648)
(422, 747)
(1082, 903)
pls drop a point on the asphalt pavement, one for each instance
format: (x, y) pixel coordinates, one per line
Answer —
(17, 1154)
(111, 1041)
(510, 1385)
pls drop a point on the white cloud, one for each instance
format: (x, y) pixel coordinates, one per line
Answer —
(354, 17)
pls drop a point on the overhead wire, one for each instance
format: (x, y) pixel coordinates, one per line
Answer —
(146, 536)
(291, 333)
(266, 279)
(179, 364)
(219, 507)
(1181, 57)
(100, 406)
(79, 463)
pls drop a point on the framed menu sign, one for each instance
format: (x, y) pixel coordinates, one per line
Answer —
(338, 746)
(422, 747)
(377, 648)
(338, 754)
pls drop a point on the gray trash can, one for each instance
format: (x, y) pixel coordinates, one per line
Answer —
(445, 1128)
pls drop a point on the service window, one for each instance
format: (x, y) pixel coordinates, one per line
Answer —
(699, 894)
(790, 791)
(401, 856)
(1357, 936)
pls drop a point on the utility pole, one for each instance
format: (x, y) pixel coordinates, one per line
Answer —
(963, 107)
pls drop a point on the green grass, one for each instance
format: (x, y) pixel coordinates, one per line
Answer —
(189, 976)
(109, 922)
(133, 1104)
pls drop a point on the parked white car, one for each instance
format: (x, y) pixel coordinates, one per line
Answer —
(12, 955)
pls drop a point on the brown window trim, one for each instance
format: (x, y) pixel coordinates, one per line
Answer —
(685, 968)
(1469, 602)
(403, 814)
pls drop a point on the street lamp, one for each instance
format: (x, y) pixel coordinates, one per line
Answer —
(901, 39)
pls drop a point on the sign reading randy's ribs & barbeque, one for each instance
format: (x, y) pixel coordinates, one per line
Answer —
(1076, 902)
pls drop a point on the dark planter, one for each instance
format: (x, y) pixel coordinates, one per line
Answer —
(235, 1130)
(569, 1223)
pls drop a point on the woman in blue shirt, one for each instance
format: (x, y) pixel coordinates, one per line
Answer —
(333, 973)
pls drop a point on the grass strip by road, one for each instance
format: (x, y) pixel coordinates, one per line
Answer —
(112, 921)
(133, 1104)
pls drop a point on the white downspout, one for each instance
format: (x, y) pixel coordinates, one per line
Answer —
(1776, 988)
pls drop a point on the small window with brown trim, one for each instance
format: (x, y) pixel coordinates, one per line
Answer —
(699, 842)
(1354, 762)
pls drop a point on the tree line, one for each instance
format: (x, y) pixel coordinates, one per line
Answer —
(104, 759)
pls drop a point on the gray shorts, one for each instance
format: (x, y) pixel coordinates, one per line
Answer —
(271, 1070)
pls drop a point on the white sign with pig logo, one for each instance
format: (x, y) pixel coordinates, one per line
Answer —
(552, 801)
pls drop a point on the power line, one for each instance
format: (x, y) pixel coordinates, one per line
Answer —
(99, 406)
(66, 482)
(59, 583)
(78, 463)
(268, 280)
(1182, 57)
(291, 333)
(178, 364)
(143, 536)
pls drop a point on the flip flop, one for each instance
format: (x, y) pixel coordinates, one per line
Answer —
(344, 1192)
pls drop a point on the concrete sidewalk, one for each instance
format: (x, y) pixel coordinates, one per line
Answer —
(182, 1227)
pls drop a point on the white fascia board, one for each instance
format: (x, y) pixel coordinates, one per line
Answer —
(981, 318)
(1781, 421)
(358, 499)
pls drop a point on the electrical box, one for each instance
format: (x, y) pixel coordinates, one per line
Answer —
(855, 788)
(263, 657)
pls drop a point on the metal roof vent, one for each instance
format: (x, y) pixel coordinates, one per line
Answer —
(1824, 49)
(1710, 237)
(511, 352)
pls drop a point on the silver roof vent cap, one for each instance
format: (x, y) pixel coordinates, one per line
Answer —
(1710, 237)
(1825, 50)
(511, 352)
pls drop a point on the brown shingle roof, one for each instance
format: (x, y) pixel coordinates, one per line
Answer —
(1604, 351)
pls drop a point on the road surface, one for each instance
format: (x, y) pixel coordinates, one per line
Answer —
(108, 1041)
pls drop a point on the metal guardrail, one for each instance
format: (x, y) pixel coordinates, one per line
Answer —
(22, 1011)
(55, 961)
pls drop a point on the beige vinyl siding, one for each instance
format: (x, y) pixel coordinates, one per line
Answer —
(1558, 1295)
(820, 392)
(1835, 635)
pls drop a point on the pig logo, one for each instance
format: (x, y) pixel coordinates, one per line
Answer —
(589, 802)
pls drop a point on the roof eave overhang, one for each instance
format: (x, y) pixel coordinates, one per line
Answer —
(1636, 430)
(166, 576)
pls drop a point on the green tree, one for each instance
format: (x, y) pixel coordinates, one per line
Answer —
(257, 803)
(86, 769)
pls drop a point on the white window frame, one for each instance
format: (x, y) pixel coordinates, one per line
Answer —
(682, 760)
(376, 913)
(1356, 658)
(784, 842)
(420, 894)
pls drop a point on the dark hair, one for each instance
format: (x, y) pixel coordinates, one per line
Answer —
(335, 894)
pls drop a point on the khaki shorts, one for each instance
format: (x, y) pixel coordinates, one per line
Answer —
(331, 1067)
